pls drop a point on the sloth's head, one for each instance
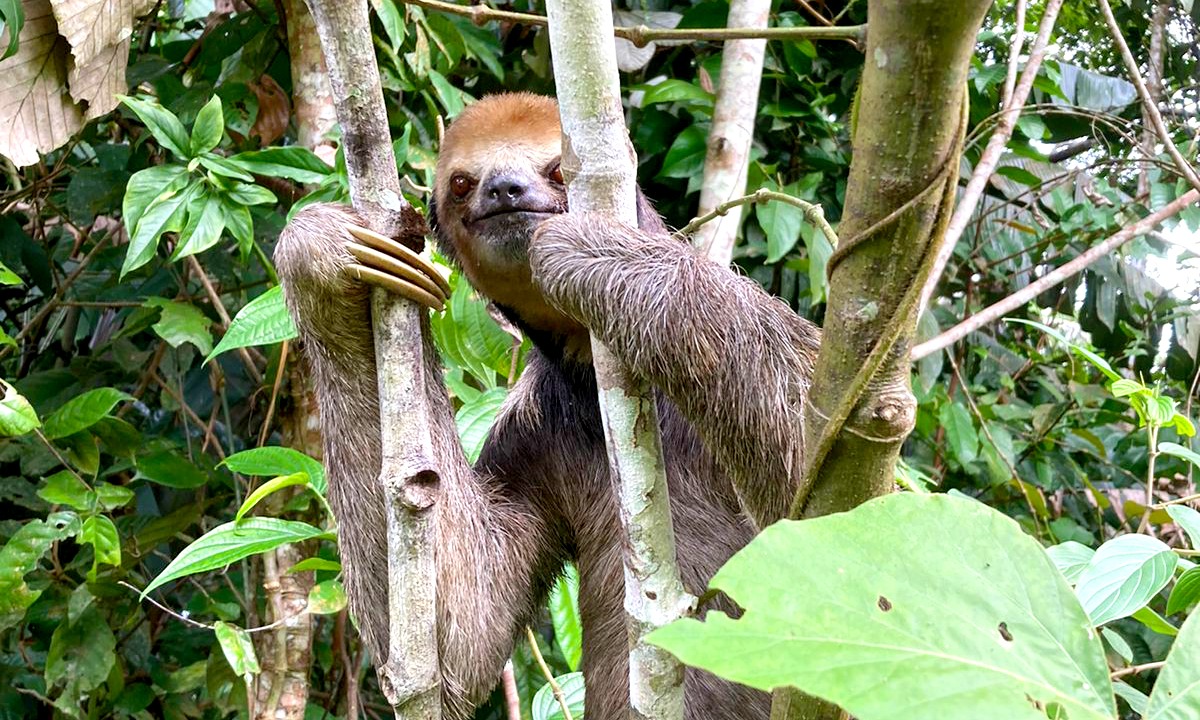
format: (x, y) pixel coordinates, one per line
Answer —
(497, 179)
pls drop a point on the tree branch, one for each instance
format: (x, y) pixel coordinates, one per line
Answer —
(1054, 277)
(600, 166)
(409, 476)
(641, 35)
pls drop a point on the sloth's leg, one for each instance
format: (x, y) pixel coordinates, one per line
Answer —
(386, 263)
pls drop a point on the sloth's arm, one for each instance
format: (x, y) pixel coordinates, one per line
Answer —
(493, 543)
(735, 360)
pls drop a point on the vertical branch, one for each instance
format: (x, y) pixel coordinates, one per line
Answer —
(728, 156)
(408, 474)
(599, 164)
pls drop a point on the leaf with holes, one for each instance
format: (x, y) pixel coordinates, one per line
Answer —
(830, 607)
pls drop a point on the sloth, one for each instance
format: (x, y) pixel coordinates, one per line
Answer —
(730, 366)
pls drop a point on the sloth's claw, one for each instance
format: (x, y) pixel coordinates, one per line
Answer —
(388, 264)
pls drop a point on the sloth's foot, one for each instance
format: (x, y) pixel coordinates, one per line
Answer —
(388, 264)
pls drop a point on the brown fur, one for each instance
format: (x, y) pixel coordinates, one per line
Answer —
(731, 365)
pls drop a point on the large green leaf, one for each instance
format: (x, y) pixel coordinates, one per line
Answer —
(81, 653)
(1123, 575)
(263, 320)
(564, 614)
(82, 412)
(276, 461)
(66, 488)
(926, 606)
(231, 542)
(1186, 591)
(475, 418)
(170, 469)
(1176, 695)
(21, 554)
(209, 126)
(100, 532)
(164, 214)
(546, 707)
(1188, 519)
(1071, 559)
(146, 185)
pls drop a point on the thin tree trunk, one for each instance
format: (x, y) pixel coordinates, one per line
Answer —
(732, 132)
(282, 688)
(408, 474)
(911, 120)
(599, 163)
(1154, 72)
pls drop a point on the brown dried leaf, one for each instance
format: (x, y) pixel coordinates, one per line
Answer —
(98, 32)
(36, 113)
(274, 110)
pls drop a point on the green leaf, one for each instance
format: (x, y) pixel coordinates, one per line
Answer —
(274, 485)
(832, 607)
(1125, 387)
(231, 542)
(205, 223)
(685, 157)
(112, 496)
(1100, 363)
(674, 91)
(17, 416)
(1124, 574)
(164, 214)
(224, 167)
(960, 431)
(83, 411)
(564, 614)
(65, 488)
(21, 554)
(1179, 451)
(1071, 559)
(1186, 591)
(1136, 699)
(474, 420)
(8, 277)
(315, 564)
(1189, 520)
(326, 598)
(100, 532)
(781, 222)
(274, 461)
(294, 163)
(209, 126)
(12, 19)
(1152, 620)
(450, 96)
(545, 706)
(81, 653)
(262, 321)
(145, 186)
(1176, 694)
(169, 469)
(181, 322)
(162, 123)
(245, 194)
(238, 648)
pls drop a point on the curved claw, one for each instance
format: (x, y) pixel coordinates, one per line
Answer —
(399, 252)
(388, 264)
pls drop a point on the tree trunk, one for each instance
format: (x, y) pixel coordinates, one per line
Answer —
(907, 140)
(1154, 72)
(600, 167)
(732, 133)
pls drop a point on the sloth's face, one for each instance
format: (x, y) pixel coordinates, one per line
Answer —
(498, 178)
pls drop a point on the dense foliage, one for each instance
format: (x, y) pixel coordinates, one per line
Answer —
(152, 401)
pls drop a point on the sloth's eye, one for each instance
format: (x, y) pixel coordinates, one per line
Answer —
(555, 173)
(460, 185)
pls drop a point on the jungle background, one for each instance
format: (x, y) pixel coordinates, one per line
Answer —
(152, 392)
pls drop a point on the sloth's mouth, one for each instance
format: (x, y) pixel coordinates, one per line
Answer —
(514, 214)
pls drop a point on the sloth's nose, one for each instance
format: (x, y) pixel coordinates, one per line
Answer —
(504, 188)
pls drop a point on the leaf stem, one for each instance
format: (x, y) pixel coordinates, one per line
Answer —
(554, 686)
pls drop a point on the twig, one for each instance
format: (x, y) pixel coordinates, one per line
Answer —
(812, 212)
(215, 298)
(58, 456)
(1135, 669)
(1014, 54)
(1177, 501)
(812, 12)
(512, 698)
(641, 35)
(1149, 107)
(541, 661)
(186, 408)
(991, 155)
(266, 427)
(178, 616)
(1000, 308)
